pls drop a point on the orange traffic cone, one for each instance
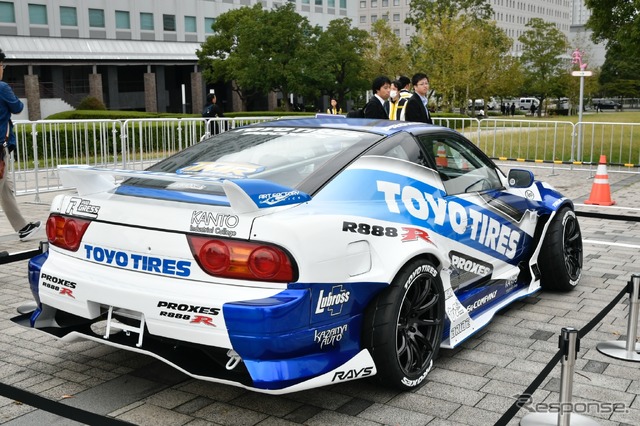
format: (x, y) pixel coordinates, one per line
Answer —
(600, 191)
(441, 157)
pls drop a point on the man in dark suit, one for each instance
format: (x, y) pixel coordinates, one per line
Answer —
(378, 105)
(417, 108)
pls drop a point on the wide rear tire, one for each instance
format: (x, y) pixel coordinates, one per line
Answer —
(560, 259)
(403, 326)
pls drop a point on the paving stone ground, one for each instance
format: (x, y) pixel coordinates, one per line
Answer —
(471, 385)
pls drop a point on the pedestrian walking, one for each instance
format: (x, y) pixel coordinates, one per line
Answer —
(10, 104)
(513, 108)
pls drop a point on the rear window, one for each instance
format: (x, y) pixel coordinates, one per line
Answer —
(284, 155)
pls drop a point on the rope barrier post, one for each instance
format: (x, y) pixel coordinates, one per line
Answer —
(569, 345)
(627, 350)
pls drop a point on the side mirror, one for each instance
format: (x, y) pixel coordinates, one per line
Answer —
(519, 178)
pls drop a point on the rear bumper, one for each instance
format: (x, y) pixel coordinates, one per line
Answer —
(281, 341)
(209, 365)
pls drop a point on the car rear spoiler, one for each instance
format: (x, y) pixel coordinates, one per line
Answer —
(244, 195)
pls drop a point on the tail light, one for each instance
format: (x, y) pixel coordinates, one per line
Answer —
(242, 259)
(66, 232)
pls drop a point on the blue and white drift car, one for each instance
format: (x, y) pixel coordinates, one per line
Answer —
(300, 253)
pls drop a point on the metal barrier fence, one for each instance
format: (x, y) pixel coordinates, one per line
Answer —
(136, 144)
(130, 144)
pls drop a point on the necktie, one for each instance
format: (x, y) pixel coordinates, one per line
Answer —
(386, 107)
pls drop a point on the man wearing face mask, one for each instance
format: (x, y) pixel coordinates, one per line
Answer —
(399, 96)
(394, 97)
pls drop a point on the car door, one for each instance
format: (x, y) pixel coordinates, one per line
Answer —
(487, 239)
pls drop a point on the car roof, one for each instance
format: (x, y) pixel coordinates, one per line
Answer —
(381, 127)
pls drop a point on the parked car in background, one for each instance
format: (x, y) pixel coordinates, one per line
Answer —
(525, 103)
(558, 106)
(476, 105)
(300, 253)
(606, 104)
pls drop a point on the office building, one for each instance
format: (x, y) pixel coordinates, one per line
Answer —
(138, 55)
(509, 15)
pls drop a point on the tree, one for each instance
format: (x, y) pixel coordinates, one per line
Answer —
(342, 60)
(470, 67)
(543, 47)
(616, 23)
(386, 55)
(619, 76)
(508, 78)
(433, 11)
(261, 51)
(227, 54)
(489, 47)
(285, 50)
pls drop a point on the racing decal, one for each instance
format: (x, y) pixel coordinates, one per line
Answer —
(511, 283)
(367, 229)
(331, 336)
(392, 197)
(213, 223)
(409, 234)
(453, 307)
(558, 202)
(266, 194)
(453, 216)
(81, 207)
(470, 264)
(221, 169)
(459, 323)
(467, 270)
(138, 262)
(62, 286)
(195, 314)
(341, 376)
(333, 301)
(459, 328)
(276, 198)
(482, 301)
(414, 234)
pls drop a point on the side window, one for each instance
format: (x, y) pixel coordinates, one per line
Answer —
(403, 146)
(460, 164)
